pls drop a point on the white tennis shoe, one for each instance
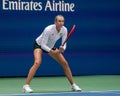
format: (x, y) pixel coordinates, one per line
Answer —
(27, 89)
(76, 88)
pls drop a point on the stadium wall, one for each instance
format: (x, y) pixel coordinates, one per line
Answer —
(93, 49)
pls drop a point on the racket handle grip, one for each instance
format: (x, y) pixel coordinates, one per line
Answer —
(54, 48)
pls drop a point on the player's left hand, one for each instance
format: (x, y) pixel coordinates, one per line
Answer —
(61, 49)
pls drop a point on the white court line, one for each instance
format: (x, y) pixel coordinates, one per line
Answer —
(107, 91)
(37, 93)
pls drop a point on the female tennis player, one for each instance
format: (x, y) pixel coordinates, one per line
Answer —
(45, 43)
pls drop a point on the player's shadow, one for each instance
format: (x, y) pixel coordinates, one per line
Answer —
(51, 91)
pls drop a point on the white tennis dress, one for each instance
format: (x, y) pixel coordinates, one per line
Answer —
(49, 37)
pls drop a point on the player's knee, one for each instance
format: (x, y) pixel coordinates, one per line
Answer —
(66, 64)
(37, 63)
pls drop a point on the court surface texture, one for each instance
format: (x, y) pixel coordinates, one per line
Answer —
(93, 85)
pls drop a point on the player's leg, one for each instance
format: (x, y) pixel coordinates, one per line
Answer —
(62, 61)
(37, 62)
(33, 69)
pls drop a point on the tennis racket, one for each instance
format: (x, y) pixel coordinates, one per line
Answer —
(69, 34)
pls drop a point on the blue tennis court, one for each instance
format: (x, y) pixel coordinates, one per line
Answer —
(102, 93)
